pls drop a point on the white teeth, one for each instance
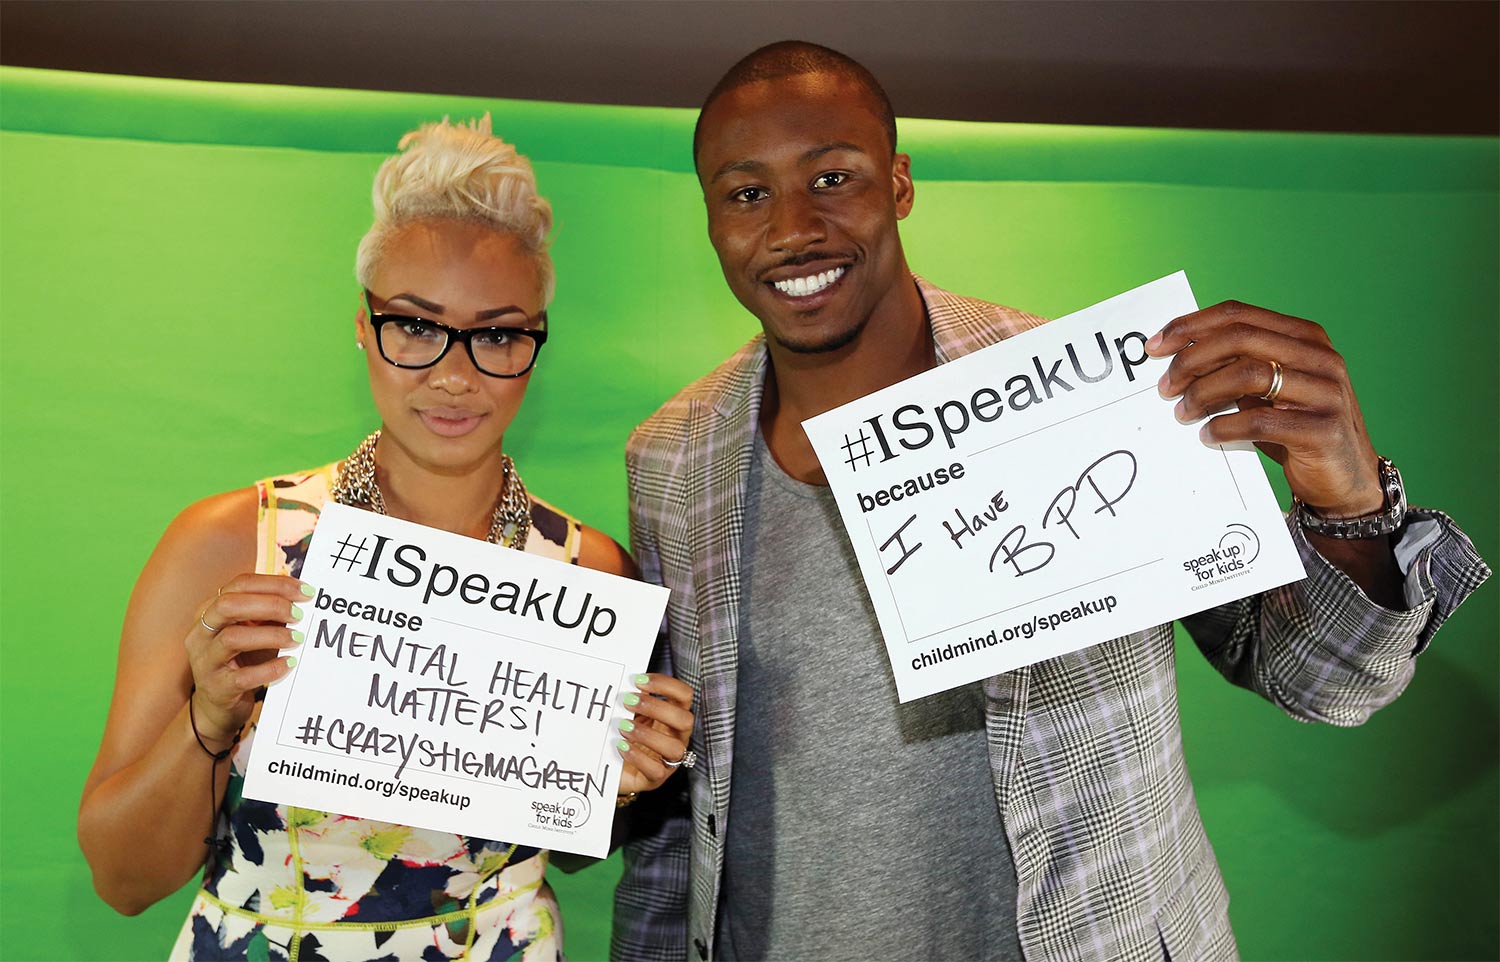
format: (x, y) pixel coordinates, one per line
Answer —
(804, 286)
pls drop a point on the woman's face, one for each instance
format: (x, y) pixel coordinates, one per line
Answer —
(450, 416)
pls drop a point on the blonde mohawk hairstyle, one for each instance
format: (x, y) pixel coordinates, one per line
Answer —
(461, 172)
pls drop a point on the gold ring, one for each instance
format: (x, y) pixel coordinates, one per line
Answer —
(202, 620)
(1274, 391)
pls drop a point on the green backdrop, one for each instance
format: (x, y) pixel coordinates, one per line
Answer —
(176, 288)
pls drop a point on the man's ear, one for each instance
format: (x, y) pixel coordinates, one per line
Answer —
(902, 185)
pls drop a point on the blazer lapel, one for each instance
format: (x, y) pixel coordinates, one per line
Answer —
(722, 427)
(962, 325)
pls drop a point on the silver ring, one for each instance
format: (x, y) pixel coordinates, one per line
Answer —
(202, 620)
(1274, 391)
(688, 760)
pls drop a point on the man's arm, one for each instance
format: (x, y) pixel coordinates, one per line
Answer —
(1323, 650)
(651, 902)
(1341, 643)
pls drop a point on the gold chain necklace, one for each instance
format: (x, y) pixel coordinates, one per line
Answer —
(509, 525)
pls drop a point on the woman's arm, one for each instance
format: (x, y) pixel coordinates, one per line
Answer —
(148, 803)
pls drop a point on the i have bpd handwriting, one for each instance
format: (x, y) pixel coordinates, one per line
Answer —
(1029, 542)
(1004, 535)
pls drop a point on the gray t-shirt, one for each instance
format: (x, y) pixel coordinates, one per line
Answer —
(859, 828)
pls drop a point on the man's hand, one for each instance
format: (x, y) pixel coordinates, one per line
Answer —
(1311, 426)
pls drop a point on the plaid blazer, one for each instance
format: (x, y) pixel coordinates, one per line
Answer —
(1085, 749)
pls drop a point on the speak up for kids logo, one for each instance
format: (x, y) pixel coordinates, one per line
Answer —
(1238, 547)
(567, 815)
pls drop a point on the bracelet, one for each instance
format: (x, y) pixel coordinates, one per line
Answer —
(220, 845)
(193, 723)
(622, 800)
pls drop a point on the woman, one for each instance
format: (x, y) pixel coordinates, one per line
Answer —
(456, 277)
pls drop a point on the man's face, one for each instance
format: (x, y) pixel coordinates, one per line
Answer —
(803, 196)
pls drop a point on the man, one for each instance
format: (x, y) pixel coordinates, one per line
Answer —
(1046, 811)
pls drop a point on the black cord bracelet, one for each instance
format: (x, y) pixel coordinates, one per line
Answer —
(212, 841)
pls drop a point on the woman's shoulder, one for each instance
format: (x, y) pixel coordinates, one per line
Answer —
(577, 542)
(215, 534)
(226, 518)
(553, 524)
(224, 530)
(599, 551)
(309, 488)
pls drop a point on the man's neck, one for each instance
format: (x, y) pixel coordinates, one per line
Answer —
(895, 345)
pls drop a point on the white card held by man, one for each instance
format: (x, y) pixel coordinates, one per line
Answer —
(449, 684)
(1038, 496)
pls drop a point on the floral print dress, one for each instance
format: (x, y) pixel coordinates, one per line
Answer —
(287, 883)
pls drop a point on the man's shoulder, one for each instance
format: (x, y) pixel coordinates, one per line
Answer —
(725, 387)
(962, 325)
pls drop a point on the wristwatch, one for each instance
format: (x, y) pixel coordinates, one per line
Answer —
(1383, 522)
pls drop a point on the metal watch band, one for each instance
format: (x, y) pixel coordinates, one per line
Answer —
(1384, 522)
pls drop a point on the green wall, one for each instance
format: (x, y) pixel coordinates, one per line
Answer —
(176, 298)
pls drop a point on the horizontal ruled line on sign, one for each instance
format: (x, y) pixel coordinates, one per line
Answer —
(573, 652)
(1032, 601)
(1065, 420)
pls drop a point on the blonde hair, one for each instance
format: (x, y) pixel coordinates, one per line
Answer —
(460, 172)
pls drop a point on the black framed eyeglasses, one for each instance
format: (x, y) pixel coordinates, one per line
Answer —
(415, 342)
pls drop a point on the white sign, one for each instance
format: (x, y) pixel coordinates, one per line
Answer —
(449, 684)
(1038, 496)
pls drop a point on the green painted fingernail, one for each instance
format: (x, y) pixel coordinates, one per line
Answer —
(291, 662)
(296, 613)
(632, 699)
(626, 725)
(298, 637)
(308, 589)
(623, 746)
(642, 679)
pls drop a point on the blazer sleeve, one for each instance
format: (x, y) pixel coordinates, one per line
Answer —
(1319, 648)
(651, 902)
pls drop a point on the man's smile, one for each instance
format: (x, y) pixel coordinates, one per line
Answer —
(807, 285)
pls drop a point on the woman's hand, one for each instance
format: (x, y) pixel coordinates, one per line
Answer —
(235, 648)
(657, 734)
